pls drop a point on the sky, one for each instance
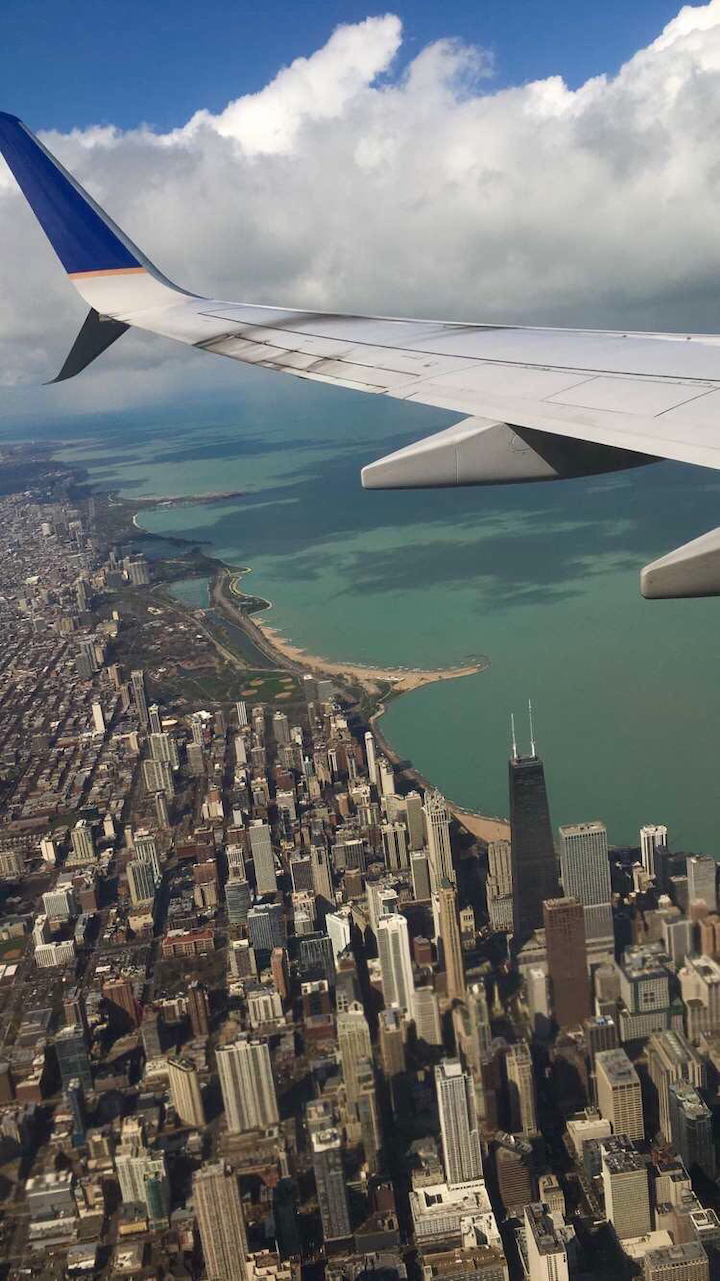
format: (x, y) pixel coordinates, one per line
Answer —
(506, 161)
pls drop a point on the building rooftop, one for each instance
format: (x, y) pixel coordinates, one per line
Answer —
(544, 1232)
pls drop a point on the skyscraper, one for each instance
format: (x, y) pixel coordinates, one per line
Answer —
(247, 1084)
(691, 1128)
(141, 881)
(618, 1093)
(370, 756)
(137, 682)
(353, 1036)
(625, 1183)
(395, 961)
(263, 857)
(198, 1009)
(450, 936)
(521, 1089)
(585, 869)
(702, 878)
(437, 826)
(546, 1249)
(185, 1092)
(652, 837)
(534, 868)
(567, 960)
(330, 1183)
(414, 820)
(458, 1122)
(220, 1222)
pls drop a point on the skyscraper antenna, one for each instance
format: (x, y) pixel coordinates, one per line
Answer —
(532, 732)
(512, 729)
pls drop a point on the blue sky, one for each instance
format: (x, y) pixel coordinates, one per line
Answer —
(66, 63)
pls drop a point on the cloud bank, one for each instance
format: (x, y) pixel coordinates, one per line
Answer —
(345, 184)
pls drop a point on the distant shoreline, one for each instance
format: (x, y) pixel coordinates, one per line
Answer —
(378, 684)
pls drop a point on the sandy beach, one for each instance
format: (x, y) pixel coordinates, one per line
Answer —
(371, 679)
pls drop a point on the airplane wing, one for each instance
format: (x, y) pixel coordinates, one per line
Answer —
(535, 404)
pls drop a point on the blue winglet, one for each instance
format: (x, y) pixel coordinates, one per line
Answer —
(83, 237)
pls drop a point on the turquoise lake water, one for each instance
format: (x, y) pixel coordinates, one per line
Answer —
(543, 579)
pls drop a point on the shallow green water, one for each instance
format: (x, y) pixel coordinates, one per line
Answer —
(542, 579)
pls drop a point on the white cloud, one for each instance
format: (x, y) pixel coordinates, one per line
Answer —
(345, 184)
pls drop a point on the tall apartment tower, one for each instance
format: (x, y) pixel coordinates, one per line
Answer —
(521, 1089)
(652, 837)
(437, 826)
(618, 1093)
(221, 1223)
(567, 960)
(247, 1084)
(671, 1058)
(450, 935)
(395, 961)
(353, 1036)
(330, 1183)
(625, 1183)
(263, 857)
(198, 1009)
(458, 1122)
(137, 684)
(691, 1126)
(702, 880)
(414, 820)
(479, 1023)
(585, 870)
(371, 759)
(185, 1092)
(141, 881)
(426, 1016)
(534, 868)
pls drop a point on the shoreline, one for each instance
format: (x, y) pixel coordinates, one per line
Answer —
(378, 684)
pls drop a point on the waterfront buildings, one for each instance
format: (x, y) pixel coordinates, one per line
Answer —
(534, 866)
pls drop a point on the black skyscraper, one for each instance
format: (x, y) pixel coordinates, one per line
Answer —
(534, 866)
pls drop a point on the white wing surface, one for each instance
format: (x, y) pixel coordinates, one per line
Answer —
(533, 403)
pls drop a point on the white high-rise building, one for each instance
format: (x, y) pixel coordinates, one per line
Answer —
(395, 961)
(702, 880)
(385, 777)
(370, 754)
(437, 825)
(247, 1084)
(618, 1093)
(458, 1122)
(426, 1016)
(585, 869)
(653, 836)
(242, 715)
(625, 1184)
(98, 718)
(338, 926)
(263, 857)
